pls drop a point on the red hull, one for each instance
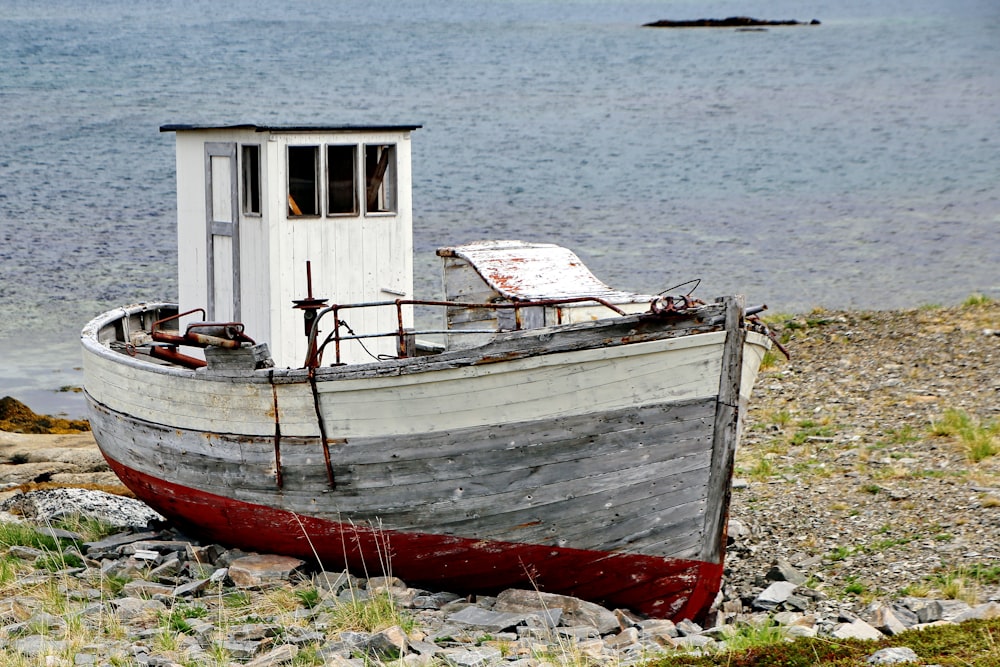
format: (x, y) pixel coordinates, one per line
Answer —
(657, 587)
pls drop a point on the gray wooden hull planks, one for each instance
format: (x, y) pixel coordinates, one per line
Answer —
(592, 459)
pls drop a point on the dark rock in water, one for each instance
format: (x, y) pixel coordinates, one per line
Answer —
(731, 22)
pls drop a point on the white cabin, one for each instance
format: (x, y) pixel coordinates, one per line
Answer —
(256, 203)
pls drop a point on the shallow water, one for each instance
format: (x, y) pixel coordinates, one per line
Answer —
(852, 164)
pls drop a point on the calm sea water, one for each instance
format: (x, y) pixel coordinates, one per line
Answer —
(852, 164)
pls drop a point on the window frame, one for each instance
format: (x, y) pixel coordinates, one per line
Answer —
(388, 190)
(327, 197)
(251, 191)
(317, 182)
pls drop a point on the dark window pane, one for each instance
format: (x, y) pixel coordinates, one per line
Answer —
(302, 181)
(251, 180)
(341, 190)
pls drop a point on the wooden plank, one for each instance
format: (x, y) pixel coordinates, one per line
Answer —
(572, 501)
(726, 429)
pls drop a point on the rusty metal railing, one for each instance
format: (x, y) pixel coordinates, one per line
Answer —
(314, 355)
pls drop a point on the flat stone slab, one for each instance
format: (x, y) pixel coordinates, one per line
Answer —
(490, 621)
(262, 569)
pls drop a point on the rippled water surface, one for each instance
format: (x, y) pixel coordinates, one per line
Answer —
(852, 164)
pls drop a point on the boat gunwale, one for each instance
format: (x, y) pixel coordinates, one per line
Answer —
(476, 356)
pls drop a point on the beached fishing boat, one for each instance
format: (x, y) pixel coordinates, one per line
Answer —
(554, 434)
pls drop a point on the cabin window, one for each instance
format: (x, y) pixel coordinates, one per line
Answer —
(303, 181)
(342, 198)
(251, 180)
(380, 178)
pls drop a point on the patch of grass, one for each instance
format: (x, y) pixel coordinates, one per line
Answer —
(956, 584)
(24, 535)
(977, 299)
(969, 644)
(808, 429)
(55, 561)
(904, 435)
(309, 597)
(309, 656)
(770, 360)
(755, 636)
(854, 587)
(980, 440)
(886, 544)
(376, 613)
(916, 589)
(762, 469)
(839, 553)
(176, 620)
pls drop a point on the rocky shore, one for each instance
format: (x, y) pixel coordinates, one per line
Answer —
(866, 501)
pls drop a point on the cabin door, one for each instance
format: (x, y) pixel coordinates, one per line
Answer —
(223, 247)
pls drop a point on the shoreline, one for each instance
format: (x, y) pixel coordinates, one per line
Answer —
(840, 471)
(849, 495)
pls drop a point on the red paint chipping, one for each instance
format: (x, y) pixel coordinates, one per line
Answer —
(657, 587)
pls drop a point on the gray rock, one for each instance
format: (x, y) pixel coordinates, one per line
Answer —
(191, 588)
(112, 542)
(885, 620)
(857, 629)
(578, 632)
(693, 642)
(981, 612)
(626, 637)
(905, 615)
(891, 656)
(253, 631)
(133, 609)
(773, 595)
(242, 650)
(782, 570)
(930, 612)
(424, 648)
(146, 589)
(25, 553)
(35, 646)
(687, 627)
(433, 600)
(575, 610)
(51, 505)
(279, 655)
(952, 609)
(475, 657)
(387, 645)
(489, 621)
(262, 569)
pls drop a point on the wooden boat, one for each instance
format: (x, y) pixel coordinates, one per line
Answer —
(560, 435)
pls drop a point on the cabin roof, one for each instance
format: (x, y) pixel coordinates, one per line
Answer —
(528, 271)
(291, 128)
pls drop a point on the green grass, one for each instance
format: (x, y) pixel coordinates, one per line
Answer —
(309, 597)
(980, 440)
(755, 636)
(376, 613)
(970, 644)
(839, 553)
(977, 300)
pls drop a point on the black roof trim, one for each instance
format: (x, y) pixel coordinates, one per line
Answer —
(293, 128)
